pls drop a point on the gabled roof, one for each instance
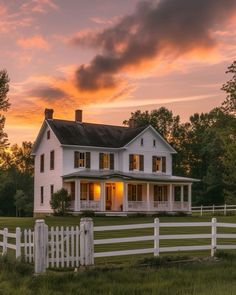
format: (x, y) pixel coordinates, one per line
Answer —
(94, 135)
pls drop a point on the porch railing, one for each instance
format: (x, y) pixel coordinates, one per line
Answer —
(160, 206)
(90, 205)
(137, 205)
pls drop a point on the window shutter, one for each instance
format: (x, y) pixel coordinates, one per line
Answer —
(88, 161)
(163, 164)
(154, 166)
(139, 192)
(111, 161)
(141, 162)
(131, 160)
(76, 159)
(100, 160)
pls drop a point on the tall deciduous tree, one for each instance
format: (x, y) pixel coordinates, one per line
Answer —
(229, 105)
(4, 105)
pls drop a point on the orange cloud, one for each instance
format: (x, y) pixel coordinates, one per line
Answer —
(36, 41)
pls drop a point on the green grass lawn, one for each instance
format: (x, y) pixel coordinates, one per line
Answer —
(189, 278)
(11, 223)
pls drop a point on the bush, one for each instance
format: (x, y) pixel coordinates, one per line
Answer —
(11, 265)
(60, 202)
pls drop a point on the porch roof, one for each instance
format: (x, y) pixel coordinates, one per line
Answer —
(95, 174)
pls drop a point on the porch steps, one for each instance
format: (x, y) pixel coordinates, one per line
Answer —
(112, 214)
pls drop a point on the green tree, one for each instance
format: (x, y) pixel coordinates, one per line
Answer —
(60, 202)
(23, 204)
(229, 105)
(4, 106)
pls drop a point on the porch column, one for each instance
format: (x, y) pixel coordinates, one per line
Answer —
(77, 195)
(102, 196)
(190, 196)
(171, 197)
(125, 197)
(148, 197)
(182, 197)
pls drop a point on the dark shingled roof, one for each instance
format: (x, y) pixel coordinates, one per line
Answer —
(89, 134)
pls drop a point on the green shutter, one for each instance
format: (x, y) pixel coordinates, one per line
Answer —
(131, 160)
(111, 161)
(154, 166)
(141, 162)
(76, 159)
(100, 160)
(88, 160)
(163, 164)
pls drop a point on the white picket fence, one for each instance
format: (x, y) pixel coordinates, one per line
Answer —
(214, 209)
(74, 246)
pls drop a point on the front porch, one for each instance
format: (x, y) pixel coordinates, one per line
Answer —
(128, 196)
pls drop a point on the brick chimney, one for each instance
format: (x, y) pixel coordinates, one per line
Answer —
(48, 114)
(78, 115)
(132, 123)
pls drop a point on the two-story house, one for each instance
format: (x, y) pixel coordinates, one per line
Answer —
(106, 168)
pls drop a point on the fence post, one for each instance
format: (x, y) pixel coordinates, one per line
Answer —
(40, 246)
(5, 236)
(225, 210)
(18, 242)
(86, 242)
(213, 236)
(201, 210)
(156, 237)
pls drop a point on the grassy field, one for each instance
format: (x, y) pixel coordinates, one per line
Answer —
(189, 278)
(11, 223)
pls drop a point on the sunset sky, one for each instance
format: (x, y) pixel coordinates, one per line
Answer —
(111, 57)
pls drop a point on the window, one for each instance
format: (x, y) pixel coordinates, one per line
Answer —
(154, 142)
(158, 164)
(106, 161)
(136, 162)
(52, 156)
(81, 159)
(141, 142)
(135, 192)
(51, 189)
(41, 195)
(185, 193)
(87, 191)
(42, 163)
(160, 193)
(48, 134)
(177, 193)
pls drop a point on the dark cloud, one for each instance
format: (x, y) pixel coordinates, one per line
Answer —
(164, 29)
(48, 93)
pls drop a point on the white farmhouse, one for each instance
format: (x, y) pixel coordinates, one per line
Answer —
(106, 168)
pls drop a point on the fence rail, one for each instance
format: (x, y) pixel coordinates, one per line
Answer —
(214, 208)
(74, 246)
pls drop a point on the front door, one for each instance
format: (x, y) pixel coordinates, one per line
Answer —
(109, 195)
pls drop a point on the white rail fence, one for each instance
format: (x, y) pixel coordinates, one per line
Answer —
(214, 209)
(76, 246)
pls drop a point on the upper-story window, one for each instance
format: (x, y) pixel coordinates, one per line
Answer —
(136, 162)
(81, 159)
(52, 160)
(48, 134)
(42, 163)
(106, 161)
(158, 164)
(141, 142)
(154, 142)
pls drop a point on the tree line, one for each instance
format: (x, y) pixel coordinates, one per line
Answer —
(205, 145)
